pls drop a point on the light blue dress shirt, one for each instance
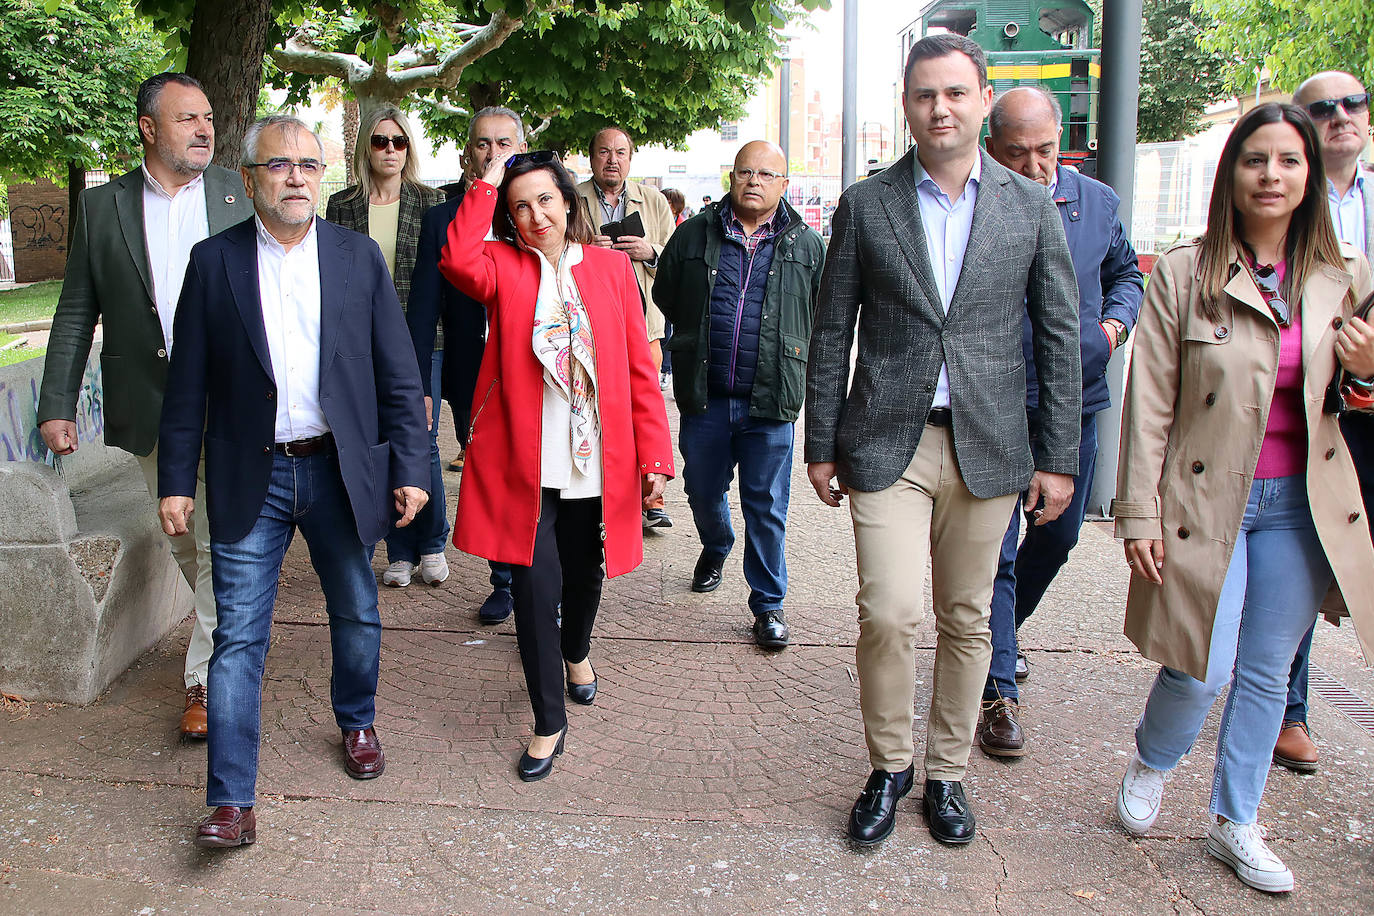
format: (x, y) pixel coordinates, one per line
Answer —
(1348, 212)
(947, 224)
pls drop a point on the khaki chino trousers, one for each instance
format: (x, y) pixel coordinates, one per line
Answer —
(927, 516)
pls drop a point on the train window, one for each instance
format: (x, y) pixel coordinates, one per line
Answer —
(1068, 27)
(961, 22)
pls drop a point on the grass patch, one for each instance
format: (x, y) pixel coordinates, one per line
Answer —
(30, 303)
(20, 354)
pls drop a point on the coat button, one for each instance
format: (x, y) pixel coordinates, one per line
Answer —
(1353, 517)
(1337, 322)
(1222, 333)
(1330, 453)
(1210, 399)
(271, 395)
(267, 449)
(1183, 534)
(162, 353)
(1198, 467)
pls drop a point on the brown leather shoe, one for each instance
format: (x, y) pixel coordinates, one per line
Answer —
(363, 757)
(228, 826)
(1295, 749)
(194, 721)
(999, 734)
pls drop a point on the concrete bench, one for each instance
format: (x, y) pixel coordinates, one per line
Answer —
(87, 582)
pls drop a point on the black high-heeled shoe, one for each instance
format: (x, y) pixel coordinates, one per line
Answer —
(532, 769)
(582, 694)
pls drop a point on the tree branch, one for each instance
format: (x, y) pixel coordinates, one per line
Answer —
(445, 108)
(298, 56)
(446, 73)
(544, 121)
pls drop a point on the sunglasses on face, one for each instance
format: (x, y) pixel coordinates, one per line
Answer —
(536, 156)
(1267, 279)
(399, 142)
(1325, 109)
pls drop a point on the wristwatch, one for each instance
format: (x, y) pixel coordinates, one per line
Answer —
(1121, 332)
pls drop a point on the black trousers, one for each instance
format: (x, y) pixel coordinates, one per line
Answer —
(566, 568)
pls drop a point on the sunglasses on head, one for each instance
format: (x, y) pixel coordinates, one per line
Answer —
(536, 156)
(400, 142)
(1267, 279)
(1325, 109)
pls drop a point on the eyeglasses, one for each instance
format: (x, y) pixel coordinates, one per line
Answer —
(310, 168)
(767, 176)
(1325, 109)
(535, 156)
(400, 142)
(1267, 279)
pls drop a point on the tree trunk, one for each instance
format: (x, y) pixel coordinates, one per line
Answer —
(76, 183)
(228, 44)
(350, 137)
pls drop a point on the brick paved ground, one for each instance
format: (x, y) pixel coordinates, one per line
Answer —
(708, 777)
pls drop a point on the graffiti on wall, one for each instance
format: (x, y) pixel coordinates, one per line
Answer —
(44, 226)
(19, 436)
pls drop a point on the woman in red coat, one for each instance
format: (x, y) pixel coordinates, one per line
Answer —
(569, 438)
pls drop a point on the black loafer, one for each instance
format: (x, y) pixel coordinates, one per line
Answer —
(498, 606)
(582, 694)
(533, 769)
(770, 630)
(875, 813)
(706, 576)
(947, 812)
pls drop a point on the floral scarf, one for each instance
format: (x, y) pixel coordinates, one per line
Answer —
(563, 345)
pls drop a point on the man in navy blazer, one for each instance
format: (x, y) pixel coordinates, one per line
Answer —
(1023, 135)
(293, 364)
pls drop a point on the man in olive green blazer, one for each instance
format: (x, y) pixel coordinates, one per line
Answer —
(128, 256)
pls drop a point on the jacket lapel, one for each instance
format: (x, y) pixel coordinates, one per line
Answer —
(129, 206)
(987, 229)
(903, 211)
(1323, 298)
(241, 266)
(222, 193)
(335, 254)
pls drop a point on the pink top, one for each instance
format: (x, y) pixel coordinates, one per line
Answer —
(1284, 451)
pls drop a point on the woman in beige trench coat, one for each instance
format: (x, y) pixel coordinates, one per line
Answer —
(1236, 496)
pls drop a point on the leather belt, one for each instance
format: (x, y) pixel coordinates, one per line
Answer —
(940, 416)
(304, 448)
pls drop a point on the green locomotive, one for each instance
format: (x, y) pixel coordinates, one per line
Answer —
(1049, 43)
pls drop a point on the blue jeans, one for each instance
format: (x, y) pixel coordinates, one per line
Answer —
(428, 532)
(304, 493)
(712, 445)
(1023, 575)
(1276, 580)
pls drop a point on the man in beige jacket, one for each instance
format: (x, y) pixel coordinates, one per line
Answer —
(609, 196)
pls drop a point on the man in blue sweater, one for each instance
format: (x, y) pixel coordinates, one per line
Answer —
(1023, 135)
(738, 282)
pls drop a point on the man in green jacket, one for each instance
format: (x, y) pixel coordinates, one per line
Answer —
(739, 283)
(128, 257)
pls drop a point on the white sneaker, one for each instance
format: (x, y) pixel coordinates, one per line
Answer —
(433, 568)
(1137, 804)
(398, 574)
(1242, 847)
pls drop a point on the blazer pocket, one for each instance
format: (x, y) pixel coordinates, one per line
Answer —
(379, 478)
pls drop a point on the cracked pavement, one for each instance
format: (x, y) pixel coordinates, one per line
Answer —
(709, 777)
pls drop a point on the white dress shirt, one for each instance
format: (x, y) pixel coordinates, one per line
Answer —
(1347, 213)
(289, 290)
(172, 223)
(947, 224)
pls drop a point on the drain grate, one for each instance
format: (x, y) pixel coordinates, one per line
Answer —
(1340, 696)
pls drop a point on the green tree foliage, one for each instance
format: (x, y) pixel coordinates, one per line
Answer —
(67, 84)
(1179, 75)
(1292, 39)
(663, 69)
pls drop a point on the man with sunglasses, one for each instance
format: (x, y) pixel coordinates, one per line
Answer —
(739, 283)
(1339, 105)
(609, 197)
(293, 370)
(124, 270)
(493, 132)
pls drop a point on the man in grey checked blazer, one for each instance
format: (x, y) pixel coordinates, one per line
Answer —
(934, 262)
